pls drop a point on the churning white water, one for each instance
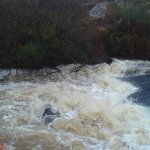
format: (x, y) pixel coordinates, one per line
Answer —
(95, 111)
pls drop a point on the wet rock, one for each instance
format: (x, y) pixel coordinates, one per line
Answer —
(49, 114)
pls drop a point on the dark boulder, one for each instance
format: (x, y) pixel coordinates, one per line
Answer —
(49, 114)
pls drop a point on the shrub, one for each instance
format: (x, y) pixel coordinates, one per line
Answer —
(30, 55)
(129, 27)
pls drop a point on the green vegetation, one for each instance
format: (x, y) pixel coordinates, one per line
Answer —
(40, 33)
(30, 53)
(130, 30)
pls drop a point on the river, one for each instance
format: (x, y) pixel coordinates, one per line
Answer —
(142, 96)
(104, 107)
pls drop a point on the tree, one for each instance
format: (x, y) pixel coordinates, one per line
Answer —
(51, 28)
(130, 30)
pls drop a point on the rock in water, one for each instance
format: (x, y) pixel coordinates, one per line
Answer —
(49, 114)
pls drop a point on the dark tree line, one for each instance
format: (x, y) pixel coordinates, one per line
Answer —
(36, 33)
(40, 33)
(129, 35)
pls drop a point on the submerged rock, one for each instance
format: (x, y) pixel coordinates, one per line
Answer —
(49, 114)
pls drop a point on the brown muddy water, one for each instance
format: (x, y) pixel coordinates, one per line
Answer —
(96, 113)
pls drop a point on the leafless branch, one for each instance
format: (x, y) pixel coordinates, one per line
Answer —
(78, 68)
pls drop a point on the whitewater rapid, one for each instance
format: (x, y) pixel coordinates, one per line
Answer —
(96, 111)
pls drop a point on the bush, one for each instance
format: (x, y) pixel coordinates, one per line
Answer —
(118, 46)
(41, 33)
(30, 55)
(129, 30)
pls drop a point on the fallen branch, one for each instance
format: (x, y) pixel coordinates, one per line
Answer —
(78, 68)
(57, 70)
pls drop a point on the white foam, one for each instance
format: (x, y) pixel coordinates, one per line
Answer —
(95, 111)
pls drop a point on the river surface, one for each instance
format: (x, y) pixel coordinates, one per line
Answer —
(142, 96)
(102, 107)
